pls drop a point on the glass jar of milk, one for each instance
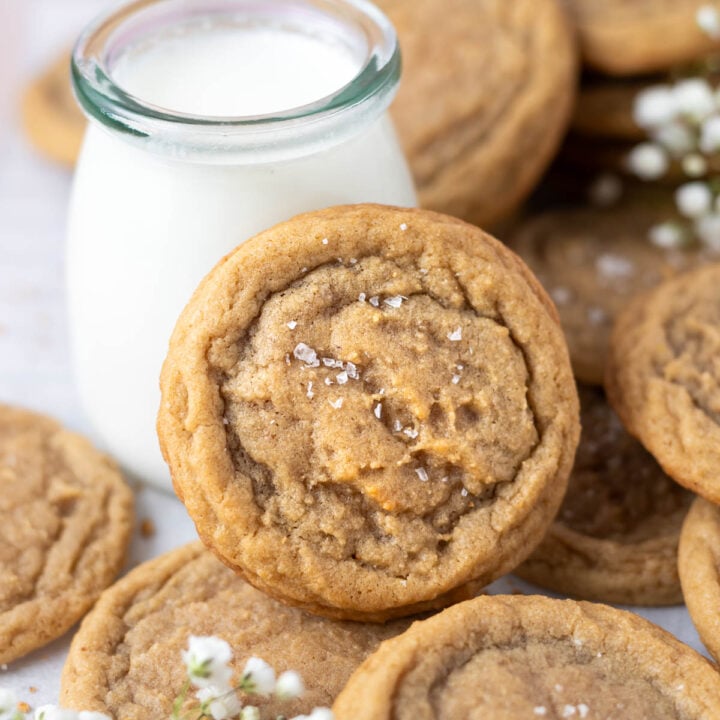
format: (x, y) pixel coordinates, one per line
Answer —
(211, 121)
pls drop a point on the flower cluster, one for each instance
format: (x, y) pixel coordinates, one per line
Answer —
(216, 697)
(206, 661)
(682, 121)
(10, 710)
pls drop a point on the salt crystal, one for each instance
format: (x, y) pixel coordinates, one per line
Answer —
(325, 241)
(403, 227)
(306, 354)
(395, 301)
(310, 392)
(540, 710)
(561, 295)
(455, 379)
(397, 426)
(583, 710)
(361, 297)
(378, 411)
(464, 492)
(422, 474)
(292, 324)
(614, 266)
(568, 711)
(226, 421)
(375, 301)
(328, 381)
(352, 371)
(596, 315)
(341, 378)
(411, 432)
(455, 335)
(337, 404)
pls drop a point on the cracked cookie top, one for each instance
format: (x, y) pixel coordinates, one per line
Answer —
(369, 410)
(66, 516)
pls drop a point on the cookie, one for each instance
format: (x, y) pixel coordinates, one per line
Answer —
(699, 561)
(618, 37)
(369, 411)
(662, 376)
(126, 661)
(527, 657)
(616, 536)
(604, 109)
(52, 119)
(592, 261)
(485, 98)
(66, 517)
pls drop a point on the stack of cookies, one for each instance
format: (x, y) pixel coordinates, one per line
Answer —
(370, 414)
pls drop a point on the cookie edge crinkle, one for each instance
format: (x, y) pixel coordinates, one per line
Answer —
(39, 620)
(659, 656)
(192, 435)
(658, 412)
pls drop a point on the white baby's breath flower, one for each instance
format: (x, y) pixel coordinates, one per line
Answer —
(694, 98)
(648, 161)
(708, 20)
(667, 236)
(710, 135)
(221, 702)
(289, 686)
(206, 660)
(694, 199)
(708, 230)
(654, 107)
(250, 712)
(675, 137)
(258, 677)
(53, 712)
(694, 165)
(317, 714)
(9, 705)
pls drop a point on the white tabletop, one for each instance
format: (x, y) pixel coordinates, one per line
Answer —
(35, 368)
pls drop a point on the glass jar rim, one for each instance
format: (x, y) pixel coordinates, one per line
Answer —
(292, 132)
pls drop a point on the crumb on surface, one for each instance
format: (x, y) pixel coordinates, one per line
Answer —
(147, 528)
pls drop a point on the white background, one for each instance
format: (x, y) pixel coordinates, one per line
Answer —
(35, 368)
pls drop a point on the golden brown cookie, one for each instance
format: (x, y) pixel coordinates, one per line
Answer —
(616, 536)
(126, 658)
(66, 517)
(52, 119)
(626, 37)
(486, 95)
(369, 411)
(663, 376)
(699, 561)
(519, 657)
(592, 261)
(604, 109)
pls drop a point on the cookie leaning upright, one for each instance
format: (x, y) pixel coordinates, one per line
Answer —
(486, 96)
(65, 521)
(369, 411)
(663, 377)
(699, 566)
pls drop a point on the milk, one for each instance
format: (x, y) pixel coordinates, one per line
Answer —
(149, 219)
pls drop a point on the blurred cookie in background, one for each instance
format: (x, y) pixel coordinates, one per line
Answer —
(616, 536)
(627, 37)
(486, 95)
(52, 119)
(592, 260)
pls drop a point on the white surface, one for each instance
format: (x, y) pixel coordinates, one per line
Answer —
(34, 360)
